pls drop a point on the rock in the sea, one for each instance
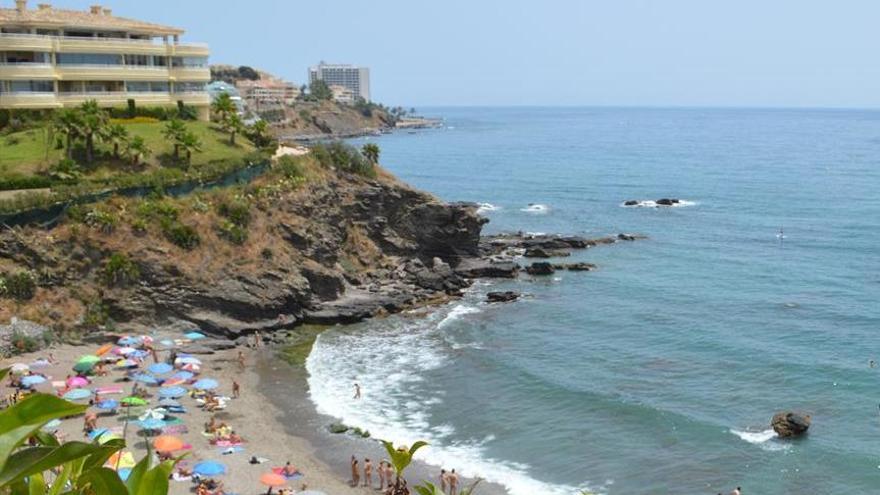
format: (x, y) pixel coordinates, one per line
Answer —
(577, 267)
(631, 202)
(482, 268)
(539, 252)
(507, 296)
(540, 268)
(666, 202)
(789, 424)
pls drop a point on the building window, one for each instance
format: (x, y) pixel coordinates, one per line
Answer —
(137, 87)
(190, 87)
(89, 59)
(137, 60)
(189, 61)
(24, 58)
(104, 86)
(31, 87)
(160, 61)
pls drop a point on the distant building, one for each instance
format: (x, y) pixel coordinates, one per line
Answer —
(356, 79)
(217, 88)
(54, 58)
(263, 94)
(342, 94)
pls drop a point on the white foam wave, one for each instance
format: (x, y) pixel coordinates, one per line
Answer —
(388, 362)
(536, 209)
(764, 438)
(457, 312)
(653, 204)
(487, 207)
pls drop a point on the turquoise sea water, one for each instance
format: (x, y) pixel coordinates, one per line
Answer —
(658, 373)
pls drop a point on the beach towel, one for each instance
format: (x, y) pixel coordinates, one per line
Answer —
(108, 390)
(175, 430)
(227, 443)
(280, 470)
(59, 384)
(258, 460)
(231, 450)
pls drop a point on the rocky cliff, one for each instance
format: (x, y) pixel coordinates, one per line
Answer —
(337, 247)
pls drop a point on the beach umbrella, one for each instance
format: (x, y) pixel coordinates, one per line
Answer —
(192, 368)
(31, 380)
(195, 336)
(124, 351)
(19, 368)
(183, 375)
(78, 394)
(40, 363)
(124, 473)
(128, 340)
(206, 384)
(145, 378)
(160, 368)
(121, 460)
(169, 403)
(108, 405)
(167, 343)
(98, 432)
(126, 363)
(172, 392)
(51, 425)
(158, 413)
(152, 424)
(88, 358)
(133, 401)
(104, 349)
(77, 382)
(167, 443)
(139, 354)
(173, 382)
(187, 360)
(209, 468)
(273, 480)
(83, 367)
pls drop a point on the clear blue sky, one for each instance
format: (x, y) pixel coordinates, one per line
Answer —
(552, 52)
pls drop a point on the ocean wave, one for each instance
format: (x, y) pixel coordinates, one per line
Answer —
(764, 438)
(536, 209)
(388, 362)
(653, 204)
(456, 313)
(487, 207)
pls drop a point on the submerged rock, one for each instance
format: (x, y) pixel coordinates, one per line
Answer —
(789, 424)
(482, 268)
(539, 252)
(667, 202)
(507, 296)
(577, 267)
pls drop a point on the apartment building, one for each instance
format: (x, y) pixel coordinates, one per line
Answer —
(54, 58)
(354, 78)
(264, 94)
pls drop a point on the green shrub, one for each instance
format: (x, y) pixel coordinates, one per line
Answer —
(21, 285)
(66, 170)
(290, 167)
(97, 314)
(120, 270)
(11, 183)
(236, 211)
(344, 157)
(101, 220)
(23, 344)
(181, 235)
(232, 232)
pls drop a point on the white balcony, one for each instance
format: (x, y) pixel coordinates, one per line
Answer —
(28, 100)
(26, 71)
(83, 72)
(75, 44)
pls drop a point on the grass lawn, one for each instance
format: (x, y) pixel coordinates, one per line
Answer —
(30, 152)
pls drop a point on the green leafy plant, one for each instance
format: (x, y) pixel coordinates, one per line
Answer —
(181, 235)
(401, 457)
(21, 285)
(119, 270)
(371, 152)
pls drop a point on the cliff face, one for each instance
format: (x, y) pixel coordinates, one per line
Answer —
(338, 249)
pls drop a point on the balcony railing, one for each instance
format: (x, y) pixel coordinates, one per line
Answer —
(43, 37)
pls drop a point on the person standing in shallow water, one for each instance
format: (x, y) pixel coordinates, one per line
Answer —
(368, 473)
(357, 391)
(737, 491)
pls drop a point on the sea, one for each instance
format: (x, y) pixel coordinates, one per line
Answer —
(659, 372)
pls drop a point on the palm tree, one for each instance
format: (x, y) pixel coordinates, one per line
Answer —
(258, 133)
(94, 125)
(174, 130)
(68, 123)
(137, 150)
(371, 152)
(118, 135)
(232, 124)
(223, 106)
(189, 142)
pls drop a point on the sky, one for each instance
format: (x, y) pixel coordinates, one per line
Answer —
(754, 53)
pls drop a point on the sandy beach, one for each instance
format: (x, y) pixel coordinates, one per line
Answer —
(257, 420)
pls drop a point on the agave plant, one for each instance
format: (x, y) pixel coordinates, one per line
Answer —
(43, 465)
(401, 457)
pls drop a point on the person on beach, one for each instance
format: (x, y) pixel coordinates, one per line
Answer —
(236, 389)
(443, 480)
(241, 361)
(289, 469)
(368, 473)
(380, 470)
(389, 474)
(452, 479)
(357, 391)
(355, 472)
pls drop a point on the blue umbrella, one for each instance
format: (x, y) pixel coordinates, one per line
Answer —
(31, 380)
(139, 354)
(145, 378)
(167, 343)
(169, 403)
(152, 424)
(172, 392)
(160, 368)
(209, 468)
(124, 473)
(206, 384)
(127, 340)
(78, 394)
(195, 335)
(183, 375)
(108, 405)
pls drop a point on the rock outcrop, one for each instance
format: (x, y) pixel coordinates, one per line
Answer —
(788, 424)
(506, 296)
(541, 268)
